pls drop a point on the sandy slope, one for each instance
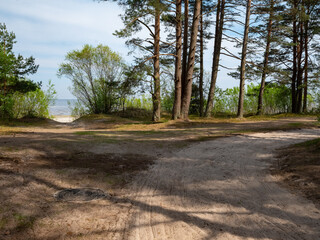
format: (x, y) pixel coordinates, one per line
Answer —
(221, 189)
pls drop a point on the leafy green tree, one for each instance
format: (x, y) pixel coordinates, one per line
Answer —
(98, 77)
(13, 71)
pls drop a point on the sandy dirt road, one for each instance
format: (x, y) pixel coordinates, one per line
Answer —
(221, 189)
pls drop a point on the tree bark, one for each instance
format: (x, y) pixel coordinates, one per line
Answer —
(156, 66)
(185, 47)
(306, 53)
(265, 61)
(191, 58)
(243, 60)
(216, 55)
(177, 78)
(4, 79)
(294, 61)
(201, 63)
(300, 69)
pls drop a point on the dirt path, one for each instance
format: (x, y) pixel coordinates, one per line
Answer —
(221, 189)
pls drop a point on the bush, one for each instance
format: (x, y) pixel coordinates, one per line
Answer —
(31, 104)
(276, 99)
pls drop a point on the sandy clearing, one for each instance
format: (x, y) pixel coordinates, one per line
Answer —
(63, 119)
(221, 189)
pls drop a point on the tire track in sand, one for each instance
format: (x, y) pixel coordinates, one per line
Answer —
(222, 189)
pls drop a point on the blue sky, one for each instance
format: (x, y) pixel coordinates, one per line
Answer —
(48, 29)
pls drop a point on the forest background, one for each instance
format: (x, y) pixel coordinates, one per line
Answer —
(279, 51)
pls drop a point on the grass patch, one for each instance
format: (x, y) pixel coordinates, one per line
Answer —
(296, 124)
(23, 222)
(10, 130)
(28, 122)
(9, 149)
(3, 223)
(312, 143)
(83, 133)
(101, 139)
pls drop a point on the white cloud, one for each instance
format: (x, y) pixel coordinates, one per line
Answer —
(48, 29)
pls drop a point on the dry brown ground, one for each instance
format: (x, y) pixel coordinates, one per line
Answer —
(299, 167)
(38, 159)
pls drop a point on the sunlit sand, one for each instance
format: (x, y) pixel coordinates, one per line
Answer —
(63, 119)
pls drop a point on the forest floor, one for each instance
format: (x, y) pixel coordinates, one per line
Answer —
(203, 179)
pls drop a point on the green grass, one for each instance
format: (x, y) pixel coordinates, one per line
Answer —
(151, 132)
(23, 222)
(296, 124)
(82, 133)
(28, 122)
(101, 139)
(309, 143)
(9, 149)
(3, 223)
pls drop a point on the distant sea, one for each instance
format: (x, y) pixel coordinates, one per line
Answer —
(61, 107)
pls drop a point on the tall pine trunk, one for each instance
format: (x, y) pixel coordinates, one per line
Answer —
(185, 48)
(243, 60)
(216, 55)
(300, 69)
(186, 98)
(4, 78)
(306, 53)
(266, 60)
(156, 67)
(177, 78)
(201, 63)
(294, 61)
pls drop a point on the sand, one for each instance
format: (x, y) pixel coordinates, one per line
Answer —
(63, 119)
(222, 189)
(215, 189)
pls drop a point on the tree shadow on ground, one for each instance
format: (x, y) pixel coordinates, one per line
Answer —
(42, 163)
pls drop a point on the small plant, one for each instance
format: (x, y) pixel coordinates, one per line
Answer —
(3, 223)
(24, 222)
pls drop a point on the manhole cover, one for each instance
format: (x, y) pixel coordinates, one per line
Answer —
(80, 194)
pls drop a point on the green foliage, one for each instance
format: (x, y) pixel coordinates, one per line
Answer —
(226, 101)
(314, 102)
(276, 99)
(14, 68)
(13, 83)
(31, 104)
(143, 102)
(195, 100)
(98, 77)
(77, 110)
(23, 222)
(167, 102)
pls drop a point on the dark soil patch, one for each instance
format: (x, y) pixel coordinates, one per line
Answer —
(107, 162)
(299, 166)
(80, 194)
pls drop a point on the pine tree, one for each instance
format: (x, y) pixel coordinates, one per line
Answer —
(216, 54)
(187, 81)
(243, 60)
(140, 14)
